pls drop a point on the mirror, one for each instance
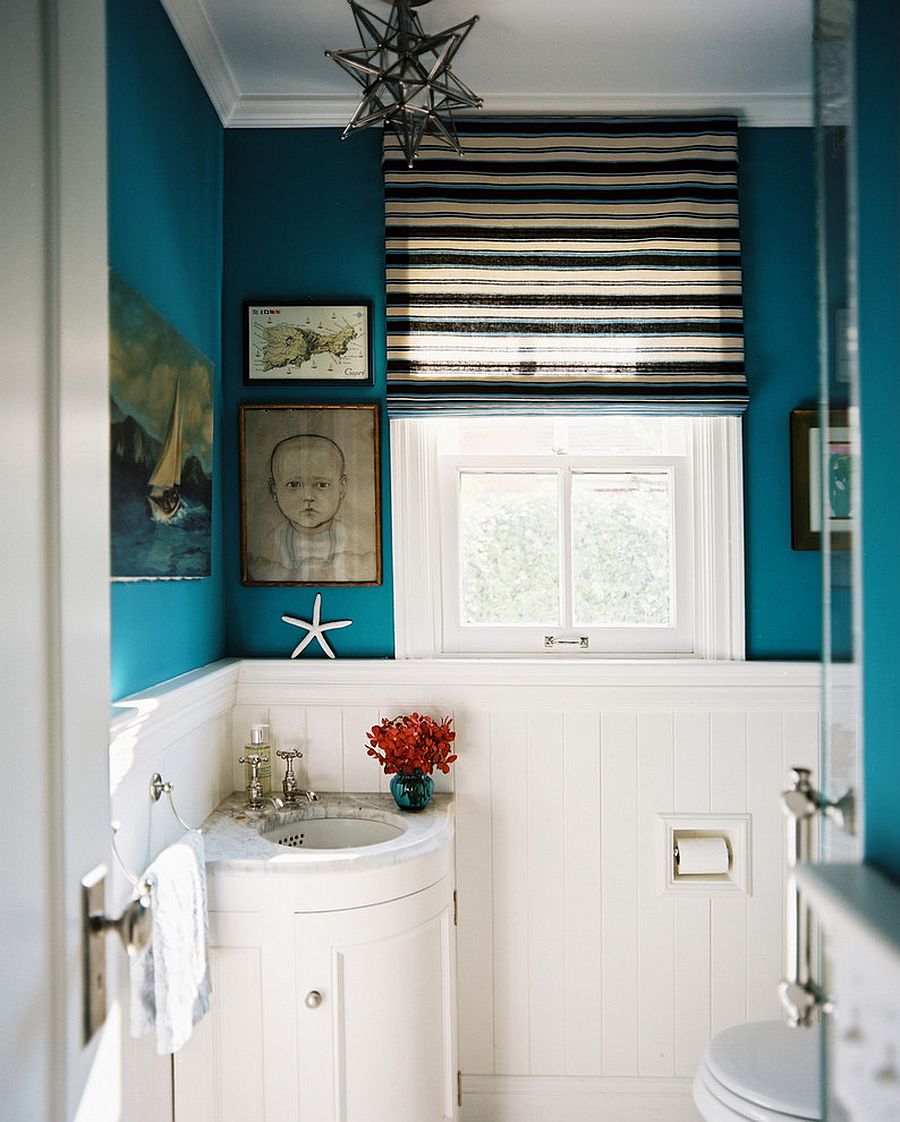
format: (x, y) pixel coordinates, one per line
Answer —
(838, 415)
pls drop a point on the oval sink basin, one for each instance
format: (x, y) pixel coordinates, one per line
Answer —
(332, 833)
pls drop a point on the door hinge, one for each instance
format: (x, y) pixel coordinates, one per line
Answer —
(455, 909)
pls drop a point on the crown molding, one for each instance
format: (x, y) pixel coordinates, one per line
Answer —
(193, 28)
(291, 111)
(755, 110)
(759, 110)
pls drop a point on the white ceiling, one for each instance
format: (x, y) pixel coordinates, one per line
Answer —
(262, 61)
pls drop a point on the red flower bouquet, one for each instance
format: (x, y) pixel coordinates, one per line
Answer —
(406, 744)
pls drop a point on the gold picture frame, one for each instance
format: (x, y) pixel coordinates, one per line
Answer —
(310, 495)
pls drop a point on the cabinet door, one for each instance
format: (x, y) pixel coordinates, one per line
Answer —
(239, 1064)
(381, 1044)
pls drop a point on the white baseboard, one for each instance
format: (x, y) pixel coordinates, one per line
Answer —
(509, 1098)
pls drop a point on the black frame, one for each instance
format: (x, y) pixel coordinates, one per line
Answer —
(803, 537)
(354, 305)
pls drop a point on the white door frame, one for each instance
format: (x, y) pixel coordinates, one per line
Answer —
(54, 538)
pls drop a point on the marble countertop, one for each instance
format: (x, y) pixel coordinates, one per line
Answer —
(233, 843)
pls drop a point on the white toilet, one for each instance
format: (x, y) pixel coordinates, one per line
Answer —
(761, 1072)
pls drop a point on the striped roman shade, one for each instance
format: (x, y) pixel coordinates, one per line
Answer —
(566, 264)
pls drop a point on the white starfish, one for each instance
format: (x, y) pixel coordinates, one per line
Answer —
(315, 629)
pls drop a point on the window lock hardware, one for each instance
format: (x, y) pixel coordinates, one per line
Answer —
(582, 642)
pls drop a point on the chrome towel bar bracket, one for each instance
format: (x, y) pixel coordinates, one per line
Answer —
(801, 996)
(158, 788)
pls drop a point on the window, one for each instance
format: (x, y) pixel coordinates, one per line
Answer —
(611, 535)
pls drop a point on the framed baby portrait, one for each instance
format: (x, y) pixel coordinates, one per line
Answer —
(318, 344)
(310, 511)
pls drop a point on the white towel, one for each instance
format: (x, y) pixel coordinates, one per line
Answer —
(170, 985)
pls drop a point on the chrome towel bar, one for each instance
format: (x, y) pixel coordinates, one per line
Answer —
(801, 996)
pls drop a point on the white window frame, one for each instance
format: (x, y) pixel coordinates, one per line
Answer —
(712, 547)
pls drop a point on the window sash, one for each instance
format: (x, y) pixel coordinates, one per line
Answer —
(627, 639)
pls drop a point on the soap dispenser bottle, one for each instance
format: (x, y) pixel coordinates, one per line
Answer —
(259, 743)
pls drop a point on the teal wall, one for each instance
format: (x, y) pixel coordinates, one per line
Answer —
(878, 160)
(165, 239)
(304, 219)
(777, 198)
(300, 215)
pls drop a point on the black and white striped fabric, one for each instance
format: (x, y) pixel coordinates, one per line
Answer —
(566, 265)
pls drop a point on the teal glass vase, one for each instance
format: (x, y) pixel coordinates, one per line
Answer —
(412, 790)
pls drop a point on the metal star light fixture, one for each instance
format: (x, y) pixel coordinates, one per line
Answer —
(405, 75)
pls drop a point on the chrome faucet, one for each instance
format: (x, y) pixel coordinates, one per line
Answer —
(256, 799)
(289, 783)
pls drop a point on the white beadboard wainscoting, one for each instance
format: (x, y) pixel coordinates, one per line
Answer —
(181, 729)
(585, 990)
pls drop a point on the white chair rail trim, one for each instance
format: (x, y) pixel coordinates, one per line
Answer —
(568, 683)
(148, 722)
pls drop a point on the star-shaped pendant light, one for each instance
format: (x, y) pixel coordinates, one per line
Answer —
(405, 75)
(315, 629)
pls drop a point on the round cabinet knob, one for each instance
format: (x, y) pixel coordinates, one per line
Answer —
(313, 999)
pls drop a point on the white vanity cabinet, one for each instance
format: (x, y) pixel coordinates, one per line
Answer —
(323, 1013)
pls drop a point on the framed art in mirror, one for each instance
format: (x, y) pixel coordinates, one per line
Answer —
(811, 504)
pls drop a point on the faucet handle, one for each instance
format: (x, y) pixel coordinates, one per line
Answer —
(254, 759)
(289, 783)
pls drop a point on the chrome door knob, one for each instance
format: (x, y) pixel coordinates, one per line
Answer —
(313, 999)
(134, 926)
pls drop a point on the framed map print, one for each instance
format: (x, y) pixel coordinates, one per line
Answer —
(287, 343)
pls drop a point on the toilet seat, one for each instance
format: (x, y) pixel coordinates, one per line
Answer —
(717, 1104)
(761, 1072)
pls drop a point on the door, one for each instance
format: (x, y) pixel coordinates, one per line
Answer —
(240, 1064)
(375, 1010)
(54, 533)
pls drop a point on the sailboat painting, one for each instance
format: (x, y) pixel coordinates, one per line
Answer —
(161, 451)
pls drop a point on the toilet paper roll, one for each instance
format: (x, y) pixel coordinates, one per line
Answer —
(701, 855)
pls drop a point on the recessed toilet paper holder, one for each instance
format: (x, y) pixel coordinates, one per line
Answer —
(704, 853)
